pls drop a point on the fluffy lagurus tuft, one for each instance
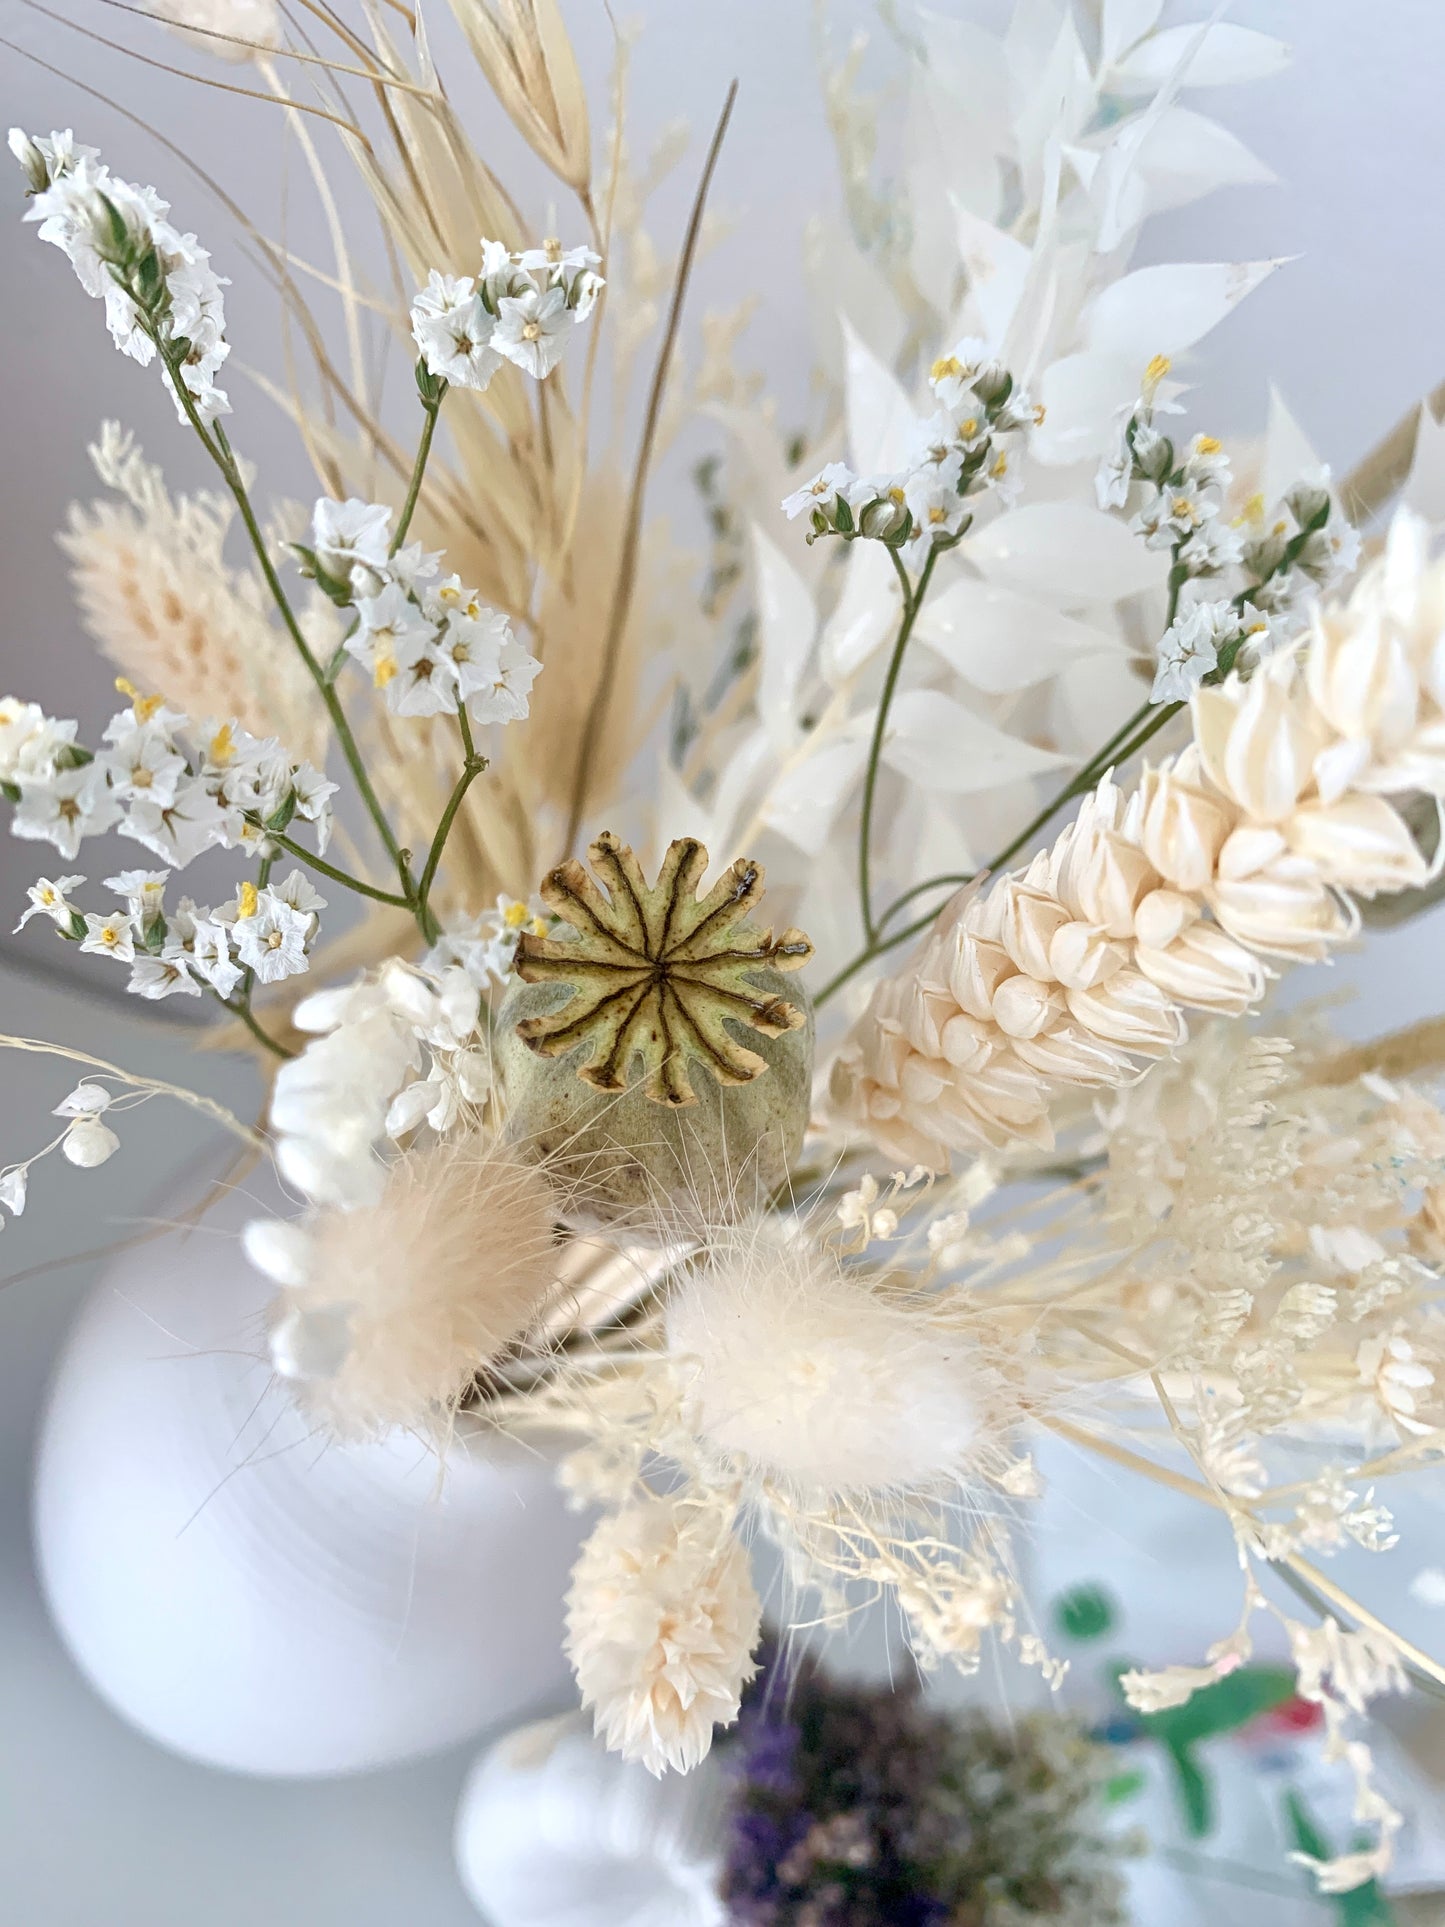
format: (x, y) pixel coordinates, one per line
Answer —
(662, 1620)
(815, 1373)
(389, 1310)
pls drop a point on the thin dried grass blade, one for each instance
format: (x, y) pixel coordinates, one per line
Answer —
(530, 67)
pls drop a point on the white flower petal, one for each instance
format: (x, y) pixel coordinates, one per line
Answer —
(279, 1250)
(1067, 553)
(1225, 55)
(86, 1100)
(881, 420)
(1161, 310)
(787, 625)
(1001, 641)
(938, 744)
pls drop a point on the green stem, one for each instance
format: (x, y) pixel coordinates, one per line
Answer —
(418, 469)
(219, 449)
(472, 768)
(912, 603)
(248, 1018)
(318, 863)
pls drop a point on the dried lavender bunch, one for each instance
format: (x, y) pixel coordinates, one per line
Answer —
(857, 1806)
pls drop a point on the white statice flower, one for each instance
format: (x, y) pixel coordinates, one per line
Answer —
(662, 1620)
(331, 1105)
(1189, 649)
(65, 808)
(486, 946)
(112, 936)
(155, 978)
(392, 631)
(502, 684)
(453, 331)
(178, 832)
(1214, 547)
(43, 161)
(935, 447)
(87, 1141)
(420, 680)
(821, 492)
(143, 765)
(952, 376)
(1174, 514)
(201, 944)
(144, 892)
(271, 935)
(532, 329)
(937, 509)
(351, 540)
(157, 284)
(50, 897)
(415, 568)
(32, 744)
(313, 793)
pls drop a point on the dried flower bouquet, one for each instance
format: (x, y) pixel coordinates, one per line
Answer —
(794, 1235)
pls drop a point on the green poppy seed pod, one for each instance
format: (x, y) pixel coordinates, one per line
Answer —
(650, 1053)
(620, 1157)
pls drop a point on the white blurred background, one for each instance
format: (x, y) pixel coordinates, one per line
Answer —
(97, 1826)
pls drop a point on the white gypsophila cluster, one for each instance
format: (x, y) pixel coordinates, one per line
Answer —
(160, 292)
(662, 1620)
(486, 946)
(521, 308)
(1245, 847)
(178, 793)
(390, 1052)
(1283, 557)
(955, 452)
(430, 646)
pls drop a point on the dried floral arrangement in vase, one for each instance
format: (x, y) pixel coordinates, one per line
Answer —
(1061, 733)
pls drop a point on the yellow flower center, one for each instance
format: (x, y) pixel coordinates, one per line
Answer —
(531, 331)
(384, 670)
(144, 706)
(110, 936)
(1208, 445)
(223, 745)
(247, 902)
(141, 778)
(515, 915)
(1158, 368)
(946, 365)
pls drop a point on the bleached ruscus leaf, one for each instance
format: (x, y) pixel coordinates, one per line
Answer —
(657, 971)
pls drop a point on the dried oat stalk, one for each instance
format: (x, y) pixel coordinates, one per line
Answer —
(657, 971)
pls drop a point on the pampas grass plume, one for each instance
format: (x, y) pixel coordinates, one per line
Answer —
(816, 1373)
(398, 1304)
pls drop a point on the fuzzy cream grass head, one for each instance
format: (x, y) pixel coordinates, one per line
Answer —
(397, 1305)
(822, 1375)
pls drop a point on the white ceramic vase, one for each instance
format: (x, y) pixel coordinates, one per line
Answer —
(554, 1831)
(253, 1597)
